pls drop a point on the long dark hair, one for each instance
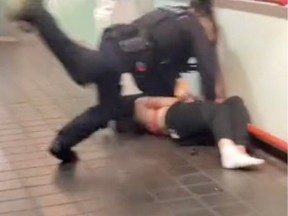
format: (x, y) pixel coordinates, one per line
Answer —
(205, 8)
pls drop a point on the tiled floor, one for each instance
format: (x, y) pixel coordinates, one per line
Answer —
(118, 175)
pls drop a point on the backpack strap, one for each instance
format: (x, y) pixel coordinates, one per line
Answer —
(150, 21)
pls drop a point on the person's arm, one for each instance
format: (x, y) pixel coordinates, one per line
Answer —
(204, 51)
(220, 88)
(182, 91)
(207, 20)
(181, 88)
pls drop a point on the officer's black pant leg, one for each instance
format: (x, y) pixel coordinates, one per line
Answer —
(126, 122)
(91, 120)
(82, 64)
(77, 130)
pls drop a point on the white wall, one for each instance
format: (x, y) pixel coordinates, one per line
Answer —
(253, 53)
(6, 30)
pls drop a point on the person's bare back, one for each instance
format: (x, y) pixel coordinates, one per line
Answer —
(151, 112)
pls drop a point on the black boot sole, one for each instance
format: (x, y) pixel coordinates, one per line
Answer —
(65, 157)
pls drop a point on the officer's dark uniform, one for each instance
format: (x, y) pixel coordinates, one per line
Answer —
(154, 48)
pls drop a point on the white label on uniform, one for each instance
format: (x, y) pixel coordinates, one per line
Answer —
(173, 134)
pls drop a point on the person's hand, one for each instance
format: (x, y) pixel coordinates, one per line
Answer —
(186, 98)
(181, 90)
(219, 100)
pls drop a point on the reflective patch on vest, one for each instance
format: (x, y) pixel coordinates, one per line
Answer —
(165, 61)
(140, 67)
(192, 60)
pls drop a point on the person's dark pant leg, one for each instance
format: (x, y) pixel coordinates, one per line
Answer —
(228, 120)
(218, 119)
(82, 64)
(240, 119)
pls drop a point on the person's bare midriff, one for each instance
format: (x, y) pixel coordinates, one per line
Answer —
(161, 118)
(157, 121)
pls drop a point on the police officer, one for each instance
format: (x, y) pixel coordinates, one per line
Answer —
(153, 48)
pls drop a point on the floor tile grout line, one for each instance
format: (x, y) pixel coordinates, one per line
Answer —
(193, 195)
(200, 201)
(241, 201)
(216, 181)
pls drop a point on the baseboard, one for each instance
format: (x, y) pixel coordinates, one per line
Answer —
(269, 143)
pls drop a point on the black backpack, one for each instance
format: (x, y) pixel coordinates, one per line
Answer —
(162, 29)
(152, 38)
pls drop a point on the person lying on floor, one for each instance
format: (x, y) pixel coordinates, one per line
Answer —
(140, 47)
(179, 120)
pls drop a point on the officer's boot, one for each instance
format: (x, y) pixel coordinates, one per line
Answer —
(61, 149)
(18, 10)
